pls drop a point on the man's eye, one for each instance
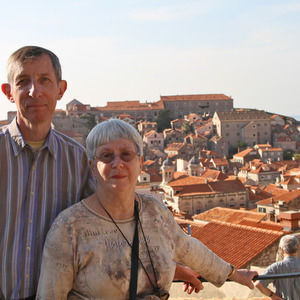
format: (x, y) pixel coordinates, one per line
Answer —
(21, 82)
(44, 79)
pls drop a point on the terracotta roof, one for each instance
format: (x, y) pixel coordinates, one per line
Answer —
(220, 161)
(269, 225)
(227, 186)
(130, 105)
(152, 132)
(148, 163)
(244, 152)
(274, 190)
(187, 180)
(174, 146)
(242, 115)
(236, 244)
(271, 149)
(196, 97)
(155, 176)
(287, 197)
(214, 174)
(290, 180)
(3, 122)
(229, 215)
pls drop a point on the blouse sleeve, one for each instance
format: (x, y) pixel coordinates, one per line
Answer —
(57, 270)
(191, 252)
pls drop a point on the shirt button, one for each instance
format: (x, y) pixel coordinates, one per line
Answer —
(30, 221)
(27, 276)
(28, 248)
(32, 193)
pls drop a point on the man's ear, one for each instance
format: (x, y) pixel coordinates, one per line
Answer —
(6, 89)
(62, 88)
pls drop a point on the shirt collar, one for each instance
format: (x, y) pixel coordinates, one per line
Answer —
(290, 257)
(19, 143)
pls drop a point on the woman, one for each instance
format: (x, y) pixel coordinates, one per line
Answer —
(116, 244)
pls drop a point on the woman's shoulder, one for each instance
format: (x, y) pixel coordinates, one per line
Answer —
(71, 214)
(149, 201)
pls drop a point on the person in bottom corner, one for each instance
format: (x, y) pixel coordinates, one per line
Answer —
(285, 288)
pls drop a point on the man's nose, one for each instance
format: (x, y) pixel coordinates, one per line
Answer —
(34, 89)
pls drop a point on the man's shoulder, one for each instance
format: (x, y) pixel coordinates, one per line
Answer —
(4, 129)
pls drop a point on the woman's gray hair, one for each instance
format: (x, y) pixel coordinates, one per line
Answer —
(289, 244)
(110, 131)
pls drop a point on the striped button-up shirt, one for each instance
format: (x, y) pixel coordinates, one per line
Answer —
(34, 187)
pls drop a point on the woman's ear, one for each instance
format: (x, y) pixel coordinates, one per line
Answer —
(141, 163)
(93, 167)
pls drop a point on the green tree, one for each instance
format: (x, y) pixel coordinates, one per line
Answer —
(288, 154)
(90, 121)
(186, 128)
(297, 155)
(163, 120)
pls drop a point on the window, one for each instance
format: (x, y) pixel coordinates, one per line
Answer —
(198, 211)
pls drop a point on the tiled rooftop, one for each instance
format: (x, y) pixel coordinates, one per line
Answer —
(236, 244)
(229, 215)
(287, 197)
(195, 97)
(262, 224)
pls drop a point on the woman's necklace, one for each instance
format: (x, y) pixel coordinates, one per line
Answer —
(156, 289)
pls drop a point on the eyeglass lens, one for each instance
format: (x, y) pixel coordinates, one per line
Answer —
(108, 157)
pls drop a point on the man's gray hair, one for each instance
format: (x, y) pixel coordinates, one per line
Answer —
(110, 131)
(289, 244)
(29, 53)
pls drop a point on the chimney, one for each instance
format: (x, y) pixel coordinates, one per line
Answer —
(289, 219)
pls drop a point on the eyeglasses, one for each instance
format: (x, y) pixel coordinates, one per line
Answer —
(108, 157)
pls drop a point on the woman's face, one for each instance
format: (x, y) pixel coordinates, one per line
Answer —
(118, 175)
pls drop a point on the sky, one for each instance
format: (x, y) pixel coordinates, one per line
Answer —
(121, 50)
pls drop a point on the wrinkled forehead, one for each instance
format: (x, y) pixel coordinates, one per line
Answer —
(119, 145)
(35, 65)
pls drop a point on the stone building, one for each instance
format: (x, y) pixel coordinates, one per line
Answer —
(193, 194)
(181, 105)
(251, 127)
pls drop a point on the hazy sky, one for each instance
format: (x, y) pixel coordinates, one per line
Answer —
(117, 50)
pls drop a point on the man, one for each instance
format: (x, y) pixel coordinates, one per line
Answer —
(285, 288)
(42, 171)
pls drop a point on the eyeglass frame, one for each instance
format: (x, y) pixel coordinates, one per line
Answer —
(115, 155)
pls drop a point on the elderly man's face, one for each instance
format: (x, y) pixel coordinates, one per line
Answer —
(35, 90)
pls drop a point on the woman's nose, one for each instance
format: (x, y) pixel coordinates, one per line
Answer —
(117, 161)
